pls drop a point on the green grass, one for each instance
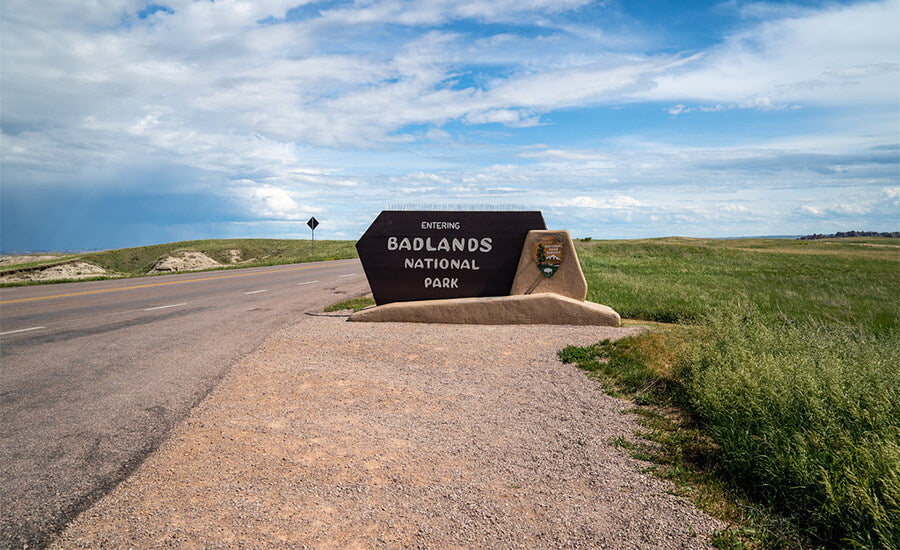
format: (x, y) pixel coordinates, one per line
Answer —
(137, 261)
(784, 372)
(852, 281)
(355, 304)
(809, 415)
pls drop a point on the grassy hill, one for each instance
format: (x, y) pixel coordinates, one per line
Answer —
(255, 252)
(783, 358)
(138, 261)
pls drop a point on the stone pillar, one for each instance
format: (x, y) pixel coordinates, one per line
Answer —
(549, 263)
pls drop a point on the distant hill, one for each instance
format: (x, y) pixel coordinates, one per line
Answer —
(156, 259)
(845, 234)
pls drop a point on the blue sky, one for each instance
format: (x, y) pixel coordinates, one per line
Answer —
(127, 123)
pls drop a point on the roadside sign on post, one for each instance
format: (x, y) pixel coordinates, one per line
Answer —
(313, 223)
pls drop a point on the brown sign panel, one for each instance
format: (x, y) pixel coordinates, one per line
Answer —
(425, 255)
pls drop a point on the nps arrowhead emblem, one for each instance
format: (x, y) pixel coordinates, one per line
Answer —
(548, 255)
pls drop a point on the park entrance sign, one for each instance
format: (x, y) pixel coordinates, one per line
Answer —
(483, 268)
(426, 255)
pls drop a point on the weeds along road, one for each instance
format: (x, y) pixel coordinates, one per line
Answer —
(95, 374)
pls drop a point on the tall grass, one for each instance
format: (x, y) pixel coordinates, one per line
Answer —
(807, 419)
(790, 366)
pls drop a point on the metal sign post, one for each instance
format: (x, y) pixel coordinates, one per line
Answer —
(313, 223)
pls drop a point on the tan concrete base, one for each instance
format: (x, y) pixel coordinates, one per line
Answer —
(538, 309)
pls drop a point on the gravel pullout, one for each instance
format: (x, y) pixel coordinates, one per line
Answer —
(357, 435)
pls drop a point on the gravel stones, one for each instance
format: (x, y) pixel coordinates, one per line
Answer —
(364, 435)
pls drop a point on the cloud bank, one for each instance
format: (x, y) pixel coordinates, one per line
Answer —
(259, 114)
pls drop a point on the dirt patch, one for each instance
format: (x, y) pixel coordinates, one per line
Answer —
(189, 260)
(75, 270)
(875, 245)
(23, 259)
(233, 256)
(358, 435)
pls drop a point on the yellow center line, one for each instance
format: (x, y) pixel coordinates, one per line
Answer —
(162, 284)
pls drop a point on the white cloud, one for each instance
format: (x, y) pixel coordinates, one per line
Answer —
(832, 56)
(290, 115)
(838, 208)
(277, 201)
(424, 180)
(614, 202)
(436, 134)
(892, 193)
(516, 118)
(209, 68)
(273, 203)
(436, 11)
(757, 103)
(810, 210)
(731, 207)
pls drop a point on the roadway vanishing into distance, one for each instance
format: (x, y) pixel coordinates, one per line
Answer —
(95, 374)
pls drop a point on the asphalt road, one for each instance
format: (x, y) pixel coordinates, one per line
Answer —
(93, 375)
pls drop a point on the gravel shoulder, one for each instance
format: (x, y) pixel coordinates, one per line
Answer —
(359, 435)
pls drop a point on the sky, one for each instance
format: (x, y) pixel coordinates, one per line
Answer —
(128, 122)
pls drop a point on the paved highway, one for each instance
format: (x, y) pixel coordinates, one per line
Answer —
(95, 374)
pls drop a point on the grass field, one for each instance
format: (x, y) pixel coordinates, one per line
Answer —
(137, 261)
(785, 362)
(680, 280)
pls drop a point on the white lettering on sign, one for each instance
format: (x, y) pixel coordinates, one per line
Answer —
(441, 282)
(440, 263)
(416, 244)
(440, 225)
(470, 245)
